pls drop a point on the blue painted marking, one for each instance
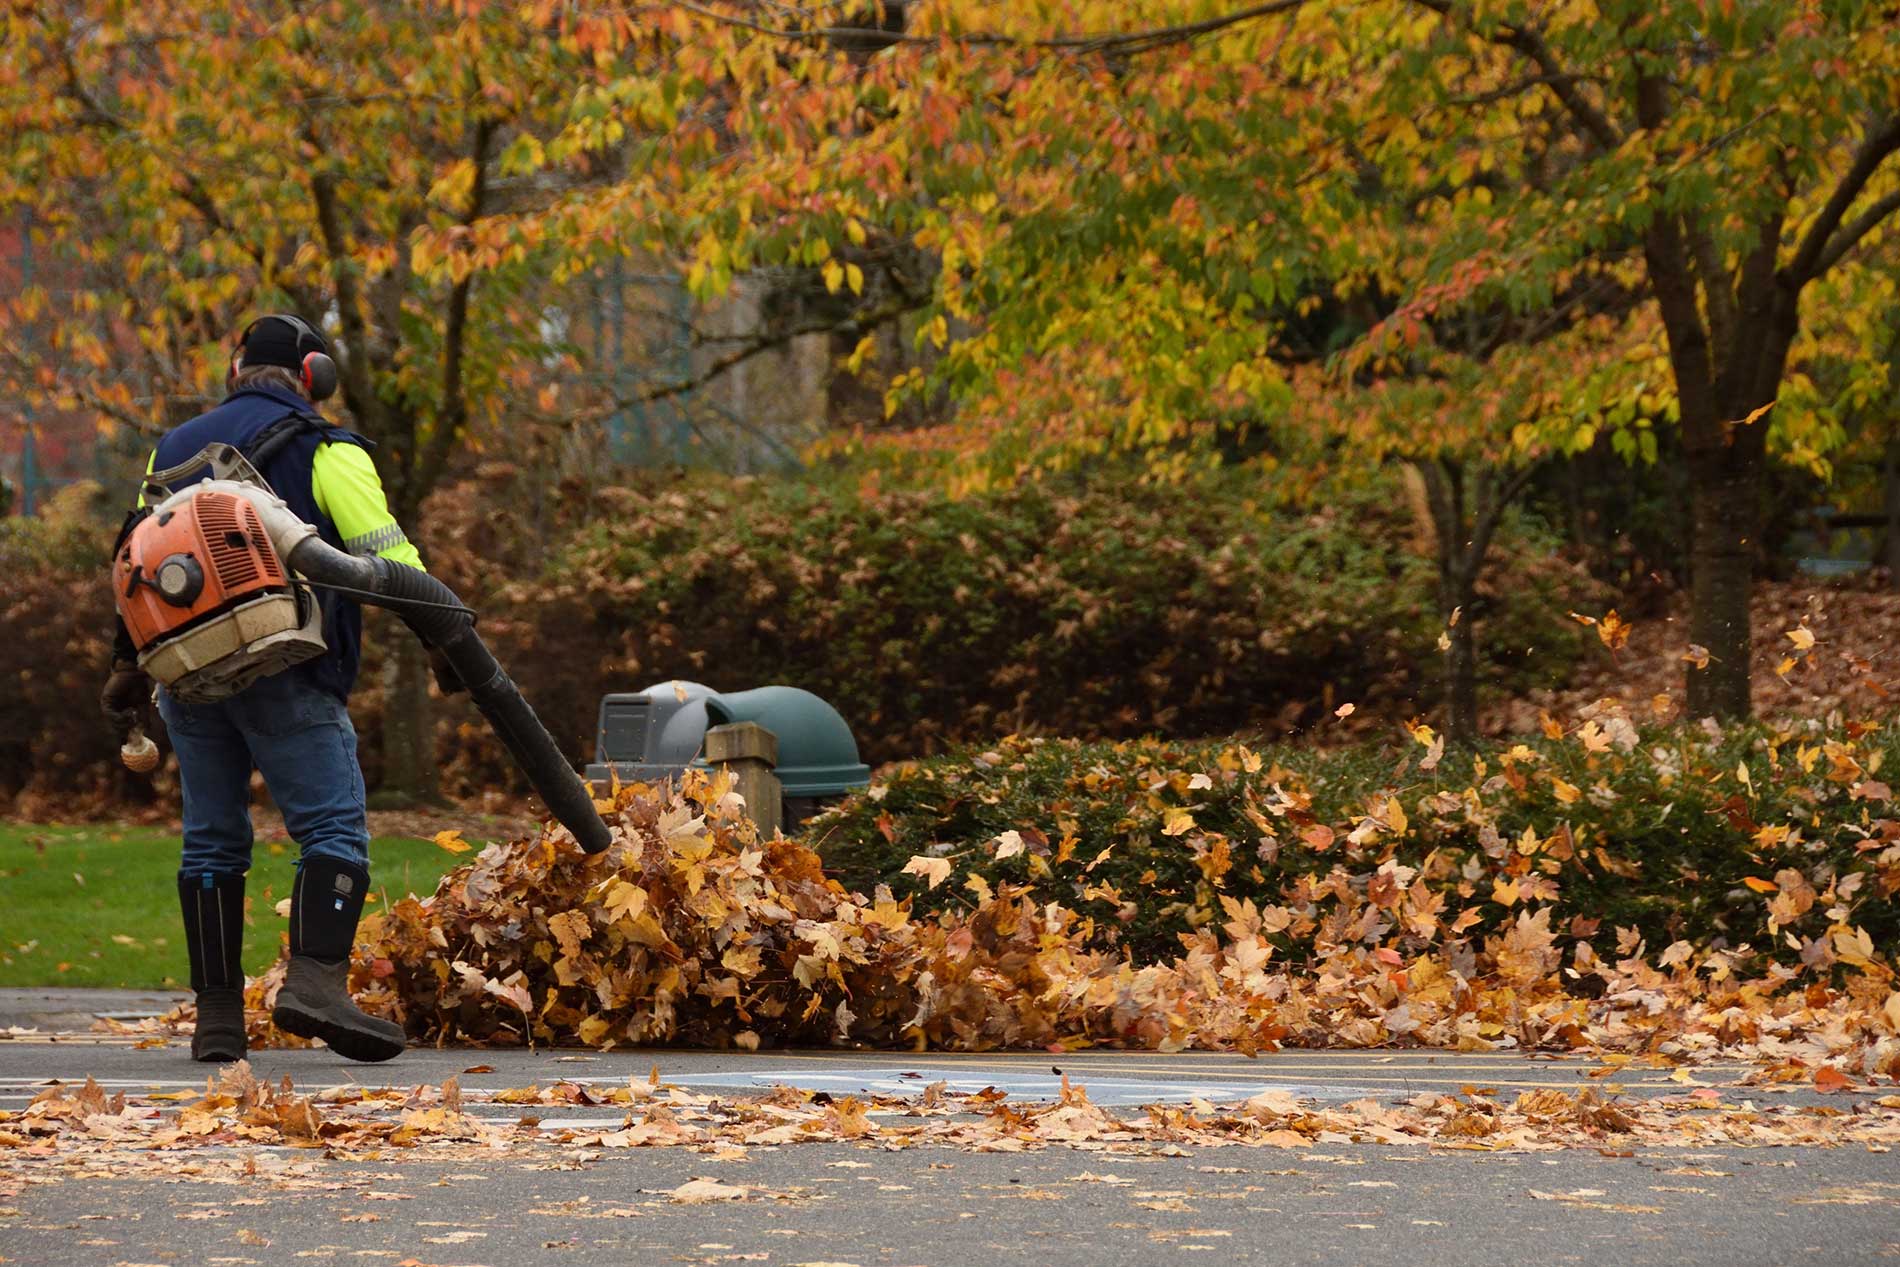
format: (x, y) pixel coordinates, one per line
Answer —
(889, 1081)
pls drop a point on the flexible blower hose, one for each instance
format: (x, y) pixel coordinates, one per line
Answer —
(438, 617)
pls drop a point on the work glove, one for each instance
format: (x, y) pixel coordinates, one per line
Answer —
(127, 698)
(447, 680)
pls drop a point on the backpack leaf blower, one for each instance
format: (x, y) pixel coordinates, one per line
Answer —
(213, 587)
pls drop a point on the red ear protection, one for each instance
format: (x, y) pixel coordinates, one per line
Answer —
(319, 375)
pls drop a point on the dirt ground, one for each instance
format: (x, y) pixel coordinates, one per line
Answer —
(1853, 666)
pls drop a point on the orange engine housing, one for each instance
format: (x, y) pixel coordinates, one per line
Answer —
(190, 561)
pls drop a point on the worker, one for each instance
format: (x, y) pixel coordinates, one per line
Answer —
(293, 726)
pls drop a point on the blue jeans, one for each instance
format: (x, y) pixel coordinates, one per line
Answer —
(300, 738)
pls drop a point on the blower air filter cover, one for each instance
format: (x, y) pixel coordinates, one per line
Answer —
(140, 754)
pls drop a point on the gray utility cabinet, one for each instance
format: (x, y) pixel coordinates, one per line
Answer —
(655, 734)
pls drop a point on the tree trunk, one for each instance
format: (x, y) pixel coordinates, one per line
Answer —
(1724, 497)
(409, 769)
(1890, 483)
(1725, 435)
(410, 776)
(1466, 506)
(1456, 595)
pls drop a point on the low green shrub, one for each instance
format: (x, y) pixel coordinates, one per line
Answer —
(55, 643)
(1679, 834)
(1108, 609)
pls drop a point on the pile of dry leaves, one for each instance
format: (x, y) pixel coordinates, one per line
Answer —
(691, 929)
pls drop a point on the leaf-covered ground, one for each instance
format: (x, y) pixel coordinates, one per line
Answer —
(117, 1133)
(692, 930)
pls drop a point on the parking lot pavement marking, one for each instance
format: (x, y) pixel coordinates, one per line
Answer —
(869, 1080)
(1110, 1076)
(908, 1081)
(66, 1040)
(1433, 1054)
(1363, 1079)
(1289, 1058)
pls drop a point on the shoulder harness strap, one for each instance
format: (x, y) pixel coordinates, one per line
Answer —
(271, 441)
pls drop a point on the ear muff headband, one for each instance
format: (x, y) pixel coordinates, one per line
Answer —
(302, 328)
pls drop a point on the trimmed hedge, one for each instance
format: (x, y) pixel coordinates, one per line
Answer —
(1657, 831)
(55, 645)
(1108, 610)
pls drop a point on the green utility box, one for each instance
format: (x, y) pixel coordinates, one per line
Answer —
(817, 757)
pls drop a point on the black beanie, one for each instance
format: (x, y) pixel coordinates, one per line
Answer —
(277, 341)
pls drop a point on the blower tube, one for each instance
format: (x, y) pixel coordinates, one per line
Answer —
(445, 624)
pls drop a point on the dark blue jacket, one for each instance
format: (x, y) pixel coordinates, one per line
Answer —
(238, 421)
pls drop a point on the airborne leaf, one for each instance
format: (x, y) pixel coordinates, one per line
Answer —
(934, 870)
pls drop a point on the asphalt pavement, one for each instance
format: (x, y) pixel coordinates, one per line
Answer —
(870, 1203)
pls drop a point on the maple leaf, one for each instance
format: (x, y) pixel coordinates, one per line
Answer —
(1829, 1079)
(452, 841)
(624, 900)
(703, 1190)
(934, 870)
(1613, 631)
(513, 992)
(571, 929)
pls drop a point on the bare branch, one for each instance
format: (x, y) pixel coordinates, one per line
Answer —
(887, 311)
(453, 415)
(1517, 87)
(1108, 42)
(1668, 254)
(1881, 140)
(1863, 224)
(354, 365)
(1563, 85)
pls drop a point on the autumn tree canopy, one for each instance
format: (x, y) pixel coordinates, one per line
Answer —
(1464, 235)
(189, 168)
(373, 166)
(1450, 232)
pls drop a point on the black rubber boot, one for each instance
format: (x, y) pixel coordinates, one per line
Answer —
(213, 907)
(315, 1002)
